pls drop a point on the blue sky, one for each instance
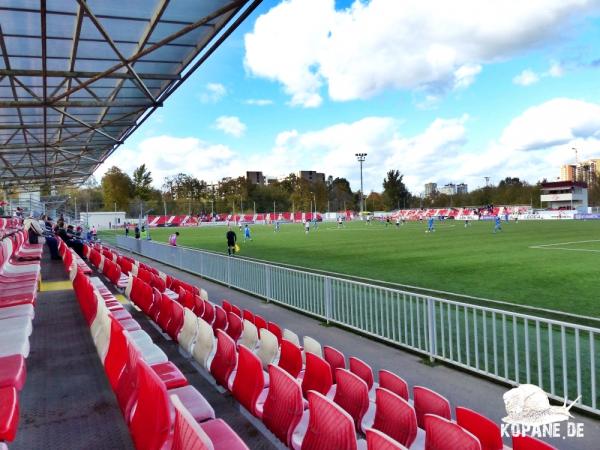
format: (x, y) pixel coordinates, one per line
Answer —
(441, 95)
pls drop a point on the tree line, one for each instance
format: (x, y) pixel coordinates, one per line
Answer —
(186, 194)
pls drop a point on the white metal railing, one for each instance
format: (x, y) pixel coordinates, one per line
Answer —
(507, 346)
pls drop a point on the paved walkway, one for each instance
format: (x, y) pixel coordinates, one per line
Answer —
(461, 388)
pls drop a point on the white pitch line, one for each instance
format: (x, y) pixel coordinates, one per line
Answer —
(564, 243)
(569, 249)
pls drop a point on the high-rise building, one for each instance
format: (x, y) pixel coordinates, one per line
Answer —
(568, 172)
(430, 189)
(312, 176)
(255, 177)
(448, 189)
(462, 188)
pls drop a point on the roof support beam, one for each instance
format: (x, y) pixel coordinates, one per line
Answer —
(231, 6)
(110, 42)
(82, 74)
(75, 104)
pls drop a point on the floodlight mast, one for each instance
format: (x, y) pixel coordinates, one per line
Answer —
(361, 159)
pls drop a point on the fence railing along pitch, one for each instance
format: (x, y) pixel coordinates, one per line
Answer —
(507, 346)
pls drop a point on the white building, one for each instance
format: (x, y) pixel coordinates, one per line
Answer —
(568, 195)
(103, 220)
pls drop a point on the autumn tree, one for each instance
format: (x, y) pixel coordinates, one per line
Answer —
(117, 187)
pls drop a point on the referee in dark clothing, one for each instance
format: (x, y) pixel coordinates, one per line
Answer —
(231, 240)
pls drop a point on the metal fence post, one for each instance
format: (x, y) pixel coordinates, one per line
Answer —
(202, 263)
(268, 282)
(431, 328)
(228, 272)
(327, 297)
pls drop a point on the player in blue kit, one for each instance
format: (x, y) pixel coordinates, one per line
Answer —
(247, 233)
(430, 226)
(498, 224)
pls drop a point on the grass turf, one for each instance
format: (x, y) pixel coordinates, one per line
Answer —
(469, 261)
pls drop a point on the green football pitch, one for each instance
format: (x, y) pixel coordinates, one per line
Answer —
(543, 264)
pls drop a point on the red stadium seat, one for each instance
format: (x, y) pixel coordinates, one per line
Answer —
(276, 330)
(335, 358)
(237, 311)
(443, 434)
(12, 371)
(376, 440)
(394, 383)
(198, 306)
(249, 380)
(248, 315)
(290, 358)
(484, 429)
(393, 416)
(9, 413)
(220, 322)
(259, 322)
(226, 306)
(234, 327)
(222, 436)
(530, 443)
(427, 401)
(186, 298)
(317, 376)
(208, 315)
(165, 313)
(352, 395)
(176, 323)
(284, 404)
(363, 370)
(329, 426)
(225, 359)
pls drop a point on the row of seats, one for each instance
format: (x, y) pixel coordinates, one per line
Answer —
(234, 344)
(157, 402)
(19, 280)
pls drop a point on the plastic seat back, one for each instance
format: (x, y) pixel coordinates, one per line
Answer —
(312, 346)
(247, 315)
(317, 376)
(335, 358)
(220, 322)
(209, 312)
(226, 305)
(205, 343)
(291, 336)
(329, 426)
(394, 383)
(260, 323)
(234, 326)
(189, 331)
(352, 395)
(186, 298)
(284, 404)
(376, 440)
(427, 401)
(150, 423)
(145, 275)
(481, 427)
(290, 358)
(529, 443)
(249, 379)
(158, 283)
(187, 434)
(154, 307)
(116, 356)
(176, 323)
(224, 360)
(362, 369)
(268, 348)
(249, 336)
(395, 417)
(165, 313)
(276, 330)
(443, 434)
(198, 306)
(237, 311)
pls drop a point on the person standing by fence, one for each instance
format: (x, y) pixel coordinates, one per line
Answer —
(173, 239)
(231, 241)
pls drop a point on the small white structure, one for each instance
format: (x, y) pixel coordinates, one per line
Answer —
(566, 195)
(103, 220)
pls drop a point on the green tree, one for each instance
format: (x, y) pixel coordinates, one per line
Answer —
(375, 202)
(142, 182)
(117, 187)
(341, 195)
(395, 194)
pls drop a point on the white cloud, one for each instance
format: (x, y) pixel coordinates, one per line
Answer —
(213, 93)
(231, 125)
(532, 146)
(556, 69)
(526, 78)
(372, 46)
(259, 102)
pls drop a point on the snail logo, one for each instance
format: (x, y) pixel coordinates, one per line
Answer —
(528, 405)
